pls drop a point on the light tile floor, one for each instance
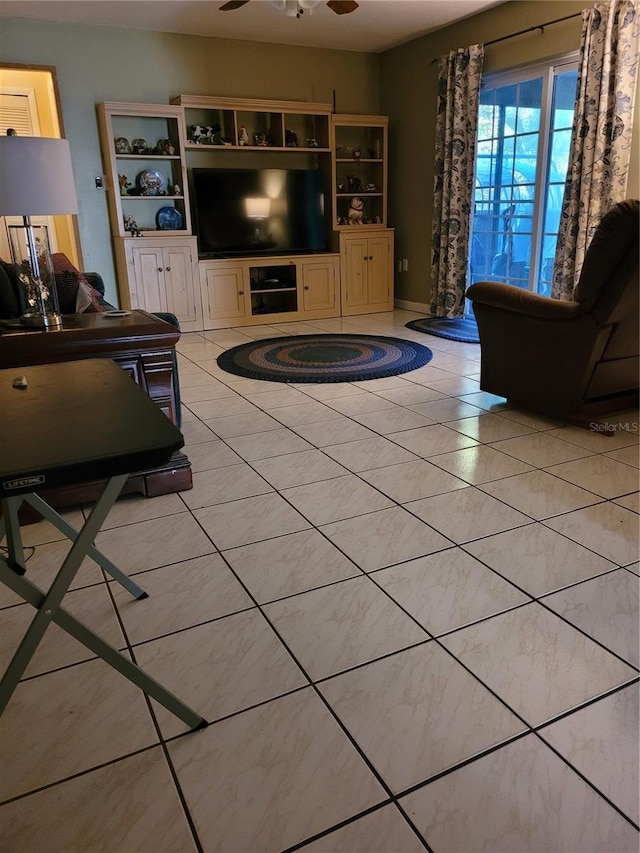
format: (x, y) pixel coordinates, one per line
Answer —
(409, 612)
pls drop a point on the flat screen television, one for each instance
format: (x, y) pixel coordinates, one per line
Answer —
(258, 211)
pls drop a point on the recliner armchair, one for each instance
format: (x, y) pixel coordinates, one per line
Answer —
(568, 359)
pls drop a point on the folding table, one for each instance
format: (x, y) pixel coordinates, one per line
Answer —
(67, 423)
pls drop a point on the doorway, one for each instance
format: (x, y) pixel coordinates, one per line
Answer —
(30, 104)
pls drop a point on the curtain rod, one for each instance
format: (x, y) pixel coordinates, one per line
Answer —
(528, 30)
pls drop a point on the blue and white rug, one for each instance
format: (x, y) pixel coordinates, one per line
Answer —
(324, 358)
(462, 329)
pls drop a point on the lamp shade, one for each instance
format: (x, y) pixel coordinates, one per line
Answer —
(36, 177)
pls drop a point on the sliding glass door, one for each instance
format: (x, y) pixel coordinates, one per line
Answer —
(524, 132)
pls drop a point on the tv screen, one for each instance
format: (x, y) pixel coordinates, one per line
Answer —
(258, 211)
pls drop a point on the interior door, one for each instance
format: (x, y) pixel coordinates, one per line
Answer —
(18, 110)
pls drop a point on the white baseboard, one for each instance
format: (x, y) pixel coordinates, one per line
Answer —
(418, 307)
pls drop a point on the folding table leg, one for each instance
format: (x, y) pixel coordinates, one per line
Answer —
(81, 632)
(10, 527)
(59, 587)
(97, 556)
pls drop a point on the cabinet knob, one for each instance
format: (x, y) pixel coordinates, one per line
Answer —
(168, 269)
(241, 293)
(159, 269)
(306, 287)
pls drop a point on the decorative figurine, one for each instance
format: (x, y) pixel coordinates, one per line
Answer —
(356, 155)
(165, 147)
(371, 188)
(124, 183)
(139, 146)
(176, 189)
(312, 143)
(132, 226)
(243, 136)
(341, 188)
(356, 211)
(354, 184)
(260, 139)
(290, 138)
(377, 220)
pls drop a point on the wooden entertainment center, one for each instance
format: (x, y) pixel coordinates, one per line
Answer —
(148, 151)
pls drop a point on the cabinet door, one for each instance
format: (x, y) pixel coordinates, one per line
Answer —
(223, 294)
(379, 273)
(148, 270)
(182, 296)
(318, 287)
(354, 275)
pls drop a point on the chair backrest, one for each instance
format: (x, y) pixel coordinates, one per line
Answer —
(608, 285)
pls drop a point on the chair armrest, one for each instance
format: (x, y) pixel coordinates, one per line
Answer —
(514, 299)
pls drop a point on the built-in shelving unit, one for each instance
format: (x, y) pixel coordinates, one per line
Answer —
(147, 151)
(359, 170)
(142, 181)
(250, 125)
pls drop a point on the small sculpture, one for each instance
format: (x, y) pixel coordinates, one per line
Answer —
(341, 188)
(124, 183)
(260, 139)
(176, 189)
(207, 135)
(356, 211)
(243, 136)
(312, 143)
(165, 147)
(354, 184)
(371, 188)
(132, 226)
(290, 138)
(377, 220)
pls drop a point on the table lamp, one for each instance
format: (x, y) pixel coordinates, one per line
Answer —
(36, 179)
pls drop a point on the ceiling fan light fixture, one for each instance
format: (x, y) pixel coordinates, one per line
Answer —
(294, 8)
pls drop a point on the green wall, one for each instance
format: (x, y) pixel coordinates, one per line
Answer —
(412, 113)
(96, 64)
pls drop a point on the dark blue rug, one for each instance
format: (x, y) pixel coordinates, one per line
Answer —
(324, 358)
(462, 329)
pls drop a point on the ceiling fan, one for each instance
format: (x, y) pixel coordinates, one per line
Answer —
(296, 8)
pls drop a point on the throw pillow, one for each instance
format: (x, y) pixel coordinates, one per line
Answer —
(75, 294)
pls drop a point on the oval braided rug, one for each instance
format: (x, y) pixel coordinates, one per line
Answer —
(324, 358)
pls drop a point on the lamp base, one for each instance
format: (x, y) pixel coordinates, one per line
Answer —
(42, 321)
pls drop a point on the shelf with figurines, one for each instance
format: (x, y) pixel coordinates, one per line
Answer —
(354, 211)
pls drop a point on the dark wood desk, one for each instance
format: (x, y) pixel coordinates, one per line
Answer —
(50, 435)
(144, 347)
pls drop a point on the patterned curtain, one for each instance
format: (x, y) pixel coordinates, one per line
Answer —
(601, 140)
(457, 118)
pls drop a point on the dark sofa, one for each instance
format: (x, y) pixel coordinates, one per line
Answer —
(13, 305)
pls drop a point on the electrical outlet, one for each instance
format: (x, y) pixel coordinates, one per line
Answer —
(405, 265)
(399, 265)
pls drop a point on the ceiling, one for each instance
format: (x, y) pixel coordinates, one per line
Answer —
(375, 26)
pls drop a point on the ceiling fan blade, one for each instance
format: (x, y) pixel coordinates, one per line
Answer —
(342, 7)
(233, 4)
